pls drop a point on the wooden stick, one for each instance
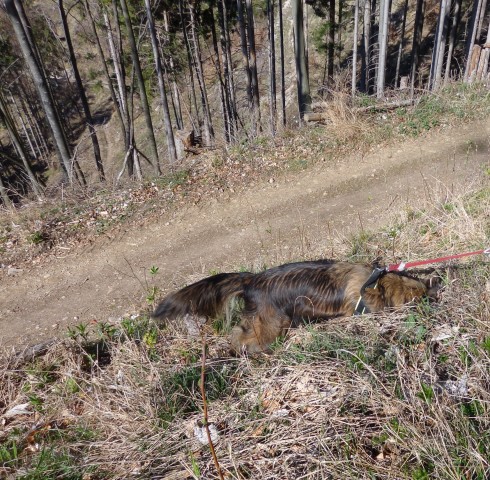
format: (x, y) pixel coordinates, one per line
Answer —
(205, 406)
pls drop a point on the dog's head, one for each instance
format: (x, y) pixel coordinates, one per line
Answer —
(394, 290)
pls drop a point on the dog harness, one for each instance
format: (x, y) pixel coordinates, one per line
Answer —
(361, 306)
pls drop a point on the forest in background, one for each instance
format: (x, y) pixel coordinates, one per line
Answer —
(174, 78)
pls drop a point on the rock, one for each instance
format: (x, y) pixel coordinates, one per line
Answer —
(14, 271)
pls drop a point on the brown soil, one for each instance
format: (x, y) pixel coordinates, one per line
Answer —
(293, 217)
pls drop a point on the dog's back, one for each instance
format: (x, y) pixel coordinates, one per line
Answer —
(316, 289)
(205, 298)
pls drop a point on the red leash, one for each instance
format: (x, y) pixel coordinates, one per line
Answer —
(399, 267)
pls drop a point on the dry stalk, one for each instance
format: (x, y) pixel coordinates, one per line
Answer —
(205, 406)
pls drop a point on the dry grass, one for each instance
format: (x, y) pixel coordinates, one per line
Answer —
(392, 396)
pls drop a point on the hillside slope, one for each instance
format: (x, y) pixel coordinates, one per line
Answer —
(292, 217)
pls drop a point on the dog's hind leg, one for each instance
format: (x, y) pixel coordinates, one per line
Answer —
(255, 334)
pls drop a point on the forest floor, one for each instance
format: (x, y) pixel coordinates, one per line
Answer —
(295, 215)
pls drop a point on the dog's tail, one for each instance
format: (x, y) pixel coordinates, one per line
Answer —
(206, 298)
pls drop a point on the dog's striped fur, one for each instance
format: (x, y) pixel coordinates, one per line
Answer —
(285, 296)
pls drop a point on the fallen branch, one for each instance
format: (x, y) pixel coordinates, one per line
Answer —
(321, 116)
(30, 353)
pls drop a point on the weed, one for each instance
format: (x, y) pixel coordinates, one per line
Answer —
(37, 237)
(137, 328)
(448, 207)
(360, 245)
(154, 270)
(42, 375)
(9, 453)
(152, 295)
(106, 331)
(426, 393)
(297, 165)
(364, 100)
(182, 394)
(188, 356)
(93, 74)
(36, 402)
(71, 386)
(468, 354)
(152, 290)
(414, 330)
(472, 409)
(195, 466)
(485, 344)
(51, 464)
(79, 332)
(173, 180)
(422, 472)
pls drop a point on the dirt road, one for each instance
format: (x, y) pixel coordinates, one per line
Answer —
(272, 223)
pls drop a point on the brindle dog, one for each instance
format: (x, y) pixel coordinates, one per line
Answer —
(285, 296)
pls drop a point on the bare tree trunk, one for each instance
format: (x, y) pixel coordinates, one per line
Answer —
(475, 18)
(34, 124)
(14, 135)
(3, 192)
(374, 46)
(402, 44)
(190, 61)
(132, 157)
(366, 42)
(302, 80)
(482, 65)
(30, 138)
(354, 48)
(452, 38)
(219, 62)
(225, 46)
(253, 63)
(32, 60)
(118, 107)
(172, 154)
(81, 92)
(384, 11)
(176, 96)
(439, 45)
(283, 75)
(141, 85)
(272, 66)
(62, 120)
(330, 42)
(339, 31)
(208, 125)
(246, 62)
(115, 53)
(417, 37)
(483, 10)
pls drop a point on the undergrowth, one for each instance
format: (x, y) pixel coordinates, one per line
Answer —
(400, 395)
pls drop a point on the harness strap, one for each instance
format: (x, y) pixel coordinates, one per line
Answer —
(361, 306)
